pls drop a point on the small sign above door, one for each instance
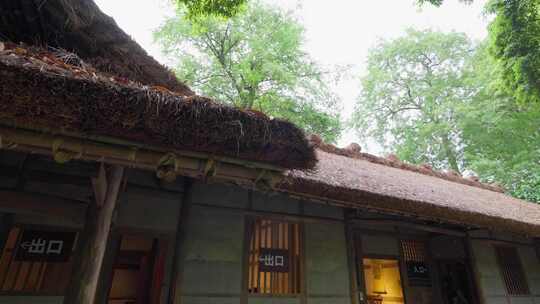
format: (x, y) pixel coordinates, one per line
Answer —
(45, 246)
(273, 260)
(418, 273)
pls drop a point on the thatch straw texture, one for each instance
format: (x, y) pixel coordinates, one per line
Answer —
(80, 27)
(364, 183)
(38, 90)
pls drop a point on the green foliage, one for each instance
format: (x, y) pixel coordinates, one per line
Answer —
(515, 41)
(410, 95)
(454, 106)
(200, 8)
(501, 136)
(254, 61)
(438, 2)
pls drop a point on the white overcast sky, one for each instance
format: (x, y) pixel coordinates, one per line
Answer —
(337, 32)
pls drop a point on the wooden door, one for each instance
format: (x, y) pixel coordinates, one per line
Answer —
(138, 271)
(455, 282)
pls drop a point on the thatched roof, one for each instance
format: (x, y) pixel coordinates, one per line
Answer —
(57, 91)
(118, 91)
(80, 27)
(373, 184)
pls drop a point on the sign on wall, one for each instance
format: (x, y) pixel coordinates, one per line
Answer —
(45, 246)
(418, 273)
(274, 260)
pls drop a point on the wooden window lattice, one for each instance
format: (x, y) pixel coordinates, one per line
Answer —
(271, 234)
(413, 250)
(27, 277)
(512, 271)
(415, 258)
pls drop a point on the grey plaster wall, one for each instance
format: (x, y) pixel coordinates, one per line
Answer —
(275, 202)
(379, 245)
(327, 270)
(219, 195)
(320, 210)
(531, 265)
(212, 256)
(150, 209)
(492, 288)
(213, 250)
(273, 300)
(447, 247)
(40, 220)
(491, 284)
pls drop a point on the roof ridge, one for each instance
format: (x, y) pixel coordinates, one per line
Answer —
(355, 151)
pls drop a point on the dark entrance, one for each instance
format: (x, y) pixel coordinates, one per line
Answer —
(455, 282)
(138, 271)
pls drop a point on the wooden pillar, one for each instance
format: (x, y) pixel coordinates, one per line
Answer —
(351, 258)
(107, 272)
(175, 293)
(6, 222)
(91, 248)
(474, 274)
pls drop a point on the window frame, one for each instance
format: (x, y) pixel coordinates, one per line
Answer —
(25, 226)
(426, 259)
(250, 221)
(501, 265)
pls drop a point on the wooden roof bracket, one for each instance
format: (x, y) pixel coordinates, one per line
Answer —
(167, 164)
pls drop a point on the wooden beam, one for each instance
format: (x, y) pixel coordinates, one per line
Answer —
(40, 204)
(413, 226)
(55, 178)
(90, 253)
(123, 153)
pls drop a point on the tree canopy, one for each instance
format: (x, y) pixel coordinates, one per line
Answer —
(514, 40)
(200, 8)
(254, 60)
(411, 93)
(500, 135)
(437, 98)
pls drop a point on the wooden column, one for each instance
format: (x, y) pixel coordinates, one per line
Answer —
(107, 272)
(351, 260)
(91, 248)
(473, 268)
(6, 222)
(175, 290)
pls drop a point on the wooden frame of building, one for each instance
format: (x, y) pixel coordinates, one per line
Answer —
(162, 199)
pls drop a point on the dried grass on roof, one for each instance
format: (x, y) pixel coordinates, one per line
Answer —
(364, 183)
(80, 27)
(40, 89)
(354, 151)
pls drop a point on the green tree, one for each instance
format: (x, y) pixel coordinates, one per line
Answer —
(410, 96)
(200, 8)
(514, 40)
(501, 136)
(254, 61)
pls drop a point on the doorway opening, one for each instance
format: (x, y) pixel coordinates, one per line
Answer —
(455, 282)
(383, 281)
(138, 270)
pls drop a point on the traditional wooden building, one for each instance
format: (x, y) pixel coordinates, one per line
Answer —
(119, 185)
